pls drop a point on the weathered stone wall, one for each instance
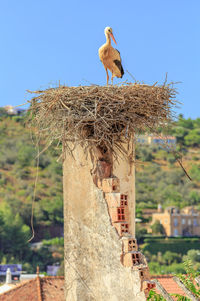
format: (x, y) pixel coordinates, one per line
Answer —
(93, 248)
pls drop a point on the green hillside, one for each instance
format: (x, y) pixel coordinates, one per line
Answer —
(159, 179)
(17, 180)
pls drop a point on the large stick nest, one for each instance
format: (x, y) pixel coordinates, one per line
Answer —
(101, 116)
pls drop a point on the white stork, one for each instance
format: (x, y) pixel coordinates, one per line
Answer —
(110, 57)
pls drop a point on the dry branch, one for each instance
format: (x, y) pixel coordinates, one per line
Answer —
(101, 116)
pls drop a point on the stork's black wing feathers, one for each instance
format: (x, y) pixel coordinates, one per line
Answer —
(119, 65)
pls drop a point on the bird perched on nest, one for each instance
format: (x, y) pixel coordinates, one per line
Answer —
(110, 57)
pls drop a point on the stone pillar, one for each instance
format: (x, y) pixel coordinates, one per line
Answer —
(93, 248)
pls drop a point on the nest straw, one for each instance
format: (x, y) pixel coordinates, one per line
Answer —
(101, 116)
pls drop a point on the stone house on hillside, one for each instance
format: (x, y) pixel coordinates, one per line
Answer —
(184, 222)
(156, 140)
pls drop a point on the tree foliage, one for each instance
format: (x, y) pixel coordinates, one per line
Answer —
(157, 228)
(17, 177)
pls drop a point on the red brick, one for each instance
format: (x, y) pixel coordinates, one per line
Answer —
(144, 273)
(147, 285)
(116, 199)
(124, 199)
(129, 244)
(118, 214)
(132, 259)
(122, 228)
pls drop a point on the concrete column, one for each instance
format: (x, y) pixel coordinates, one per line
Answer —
(93, 270)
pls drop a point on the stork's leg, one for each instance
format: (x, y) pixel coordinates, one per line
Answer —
(107, 75)
(112, 79)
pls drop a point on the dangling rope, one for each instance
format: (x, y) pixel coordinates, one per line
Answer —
(35, 188)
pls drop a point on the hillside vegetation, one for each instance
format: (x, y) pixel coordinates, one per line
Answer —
(17, 180)
(159, 179)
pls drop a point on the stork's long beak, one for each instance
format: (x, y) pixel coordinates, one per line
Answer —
(113, 38)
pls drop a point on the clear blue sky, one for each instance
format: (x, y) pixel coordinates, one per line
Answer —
(44, 41)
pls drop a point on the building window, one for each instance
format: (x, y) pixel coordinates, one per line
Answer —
(189, 222)
(195, 222)
(175, 232)
(183, 221)
(175, 222)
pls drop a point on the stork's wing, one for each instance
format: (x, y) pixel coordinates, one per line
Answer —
(119, 66)
(118, 63)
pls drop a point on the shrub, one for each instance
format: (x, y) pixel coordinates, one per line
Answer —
(157, 228)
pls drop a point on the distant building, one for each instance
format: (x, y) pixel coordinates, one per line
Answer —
(142, 139)
(185, 222)
(159, 140)
(168, 140)
(52, 270)
(14, 111)
(15, 270)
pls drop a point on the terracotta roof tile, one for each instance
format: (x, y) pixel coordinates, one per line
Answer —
(52, 290)
(23, 292)
(169, 284)
(38, 289)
